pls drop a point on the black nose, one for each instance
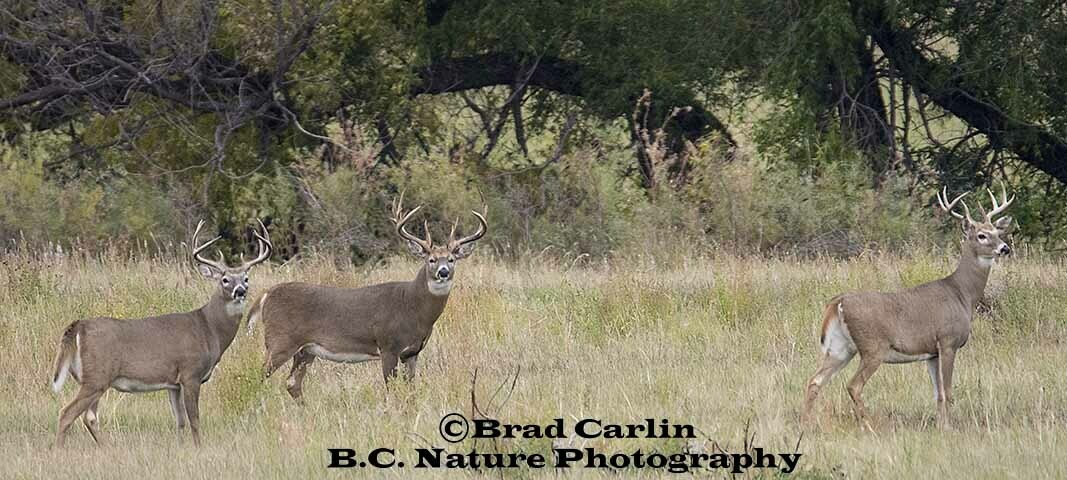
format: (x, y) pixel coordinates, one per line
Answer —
(1005, 249)
(443, 272)
(240, 291)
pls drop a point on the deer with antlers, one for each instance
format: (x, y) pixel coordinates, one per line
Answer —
(176, 352)
(928, 323)
(389, 321)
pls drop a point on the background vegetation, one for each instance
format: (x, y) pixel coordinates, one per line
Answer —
(817, 126)
(673, 187)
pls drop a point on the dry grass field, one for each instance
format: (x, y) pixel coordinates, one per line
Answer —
(722, 343)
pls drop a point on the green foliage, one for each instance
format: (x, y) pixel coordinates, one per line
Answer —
(262, 196)
(89, 213)
(580, 208)
(791, 207)
(345, 211)
(150, 168)
(139, 211)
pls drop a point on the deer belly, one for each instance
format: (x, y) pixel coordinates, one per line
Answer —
(894, 356)
(340, 357)
(130, 385)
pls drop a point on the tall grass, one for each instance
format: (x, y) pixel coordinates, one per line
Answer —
(724, 343)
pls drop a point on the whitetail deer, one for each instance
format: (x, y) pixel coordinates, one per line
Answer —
(929, 322)
(175, 352)
(389, 321)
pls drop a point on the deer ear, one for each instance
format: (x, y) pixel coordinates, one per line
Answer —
(464, 251)
(416, 249)
(1003, 223)
(208, 272)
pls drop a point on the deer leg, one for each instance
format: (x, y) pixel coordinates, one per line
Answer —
(295, 384)
(177, 407)
(409, 367)
(868, 365)
(946, 358)
(389, 362)
(92, 421)
(191, 398)
(933, 366)
(86, 397)
(276, 357)
(828, 366)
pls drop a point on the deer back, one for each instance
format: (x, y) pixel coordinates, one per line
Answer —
(910, 320)
(376, 317)
(155, 350)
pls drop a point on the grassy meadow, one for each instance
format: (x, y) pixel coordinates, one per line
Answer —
(723, 343)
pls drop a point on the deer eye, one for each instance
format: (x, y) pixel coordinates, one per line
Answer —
(451, 259)
(246, 279)
(225, 281)
(433, 259)
(981, 236)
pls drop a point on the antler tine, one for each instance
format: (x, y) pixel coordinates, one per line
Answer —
(483, 226)
(942, 199)
(1002, 205)
(397, 207)
(217, 265)
(401, 219)
(264, 245)
(452, 233)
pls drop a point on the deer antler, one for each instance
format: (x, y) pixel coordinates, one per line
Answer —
(264, 244)
(1002, 205)
(400, 219)
(942, 199)
(483, 226)
(217, 265)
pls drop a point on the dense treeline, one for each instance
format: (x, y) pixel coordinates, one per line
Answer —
(589, 128)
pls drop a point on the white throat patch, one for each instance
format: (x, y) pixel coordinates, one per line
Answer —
(439, 289)
(986, 262)
(235, 307)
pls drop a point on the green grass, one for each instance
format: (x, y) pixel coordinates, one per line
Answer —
(722, 343)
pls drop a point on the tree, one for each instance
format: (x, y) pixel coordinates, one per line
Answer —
(1034, 135)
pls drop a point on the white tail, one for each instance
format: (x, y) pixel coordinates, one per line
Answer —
(254, 312)
(68, 357)
(57, 384)
(61, 375)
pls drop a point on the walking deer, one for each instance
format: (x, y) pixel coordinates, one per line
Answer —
(928, 323)
(389, 321)
(175, 352)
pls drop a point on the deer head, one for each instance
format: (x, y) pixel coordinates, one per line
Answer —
(983, 237)
(232, 281)
(440, 259)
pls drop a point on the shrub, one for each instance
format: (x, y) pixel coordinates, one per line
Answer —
(81, 212)
(585, 206)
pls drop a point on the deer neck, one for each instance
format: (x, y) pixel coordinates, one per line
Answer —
(428, 304)
(971, 275)
(223, 318)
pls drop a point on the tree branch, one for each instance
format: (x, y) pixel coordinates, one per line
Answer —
(1033, 144)
(563, 76)
(494, 69)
